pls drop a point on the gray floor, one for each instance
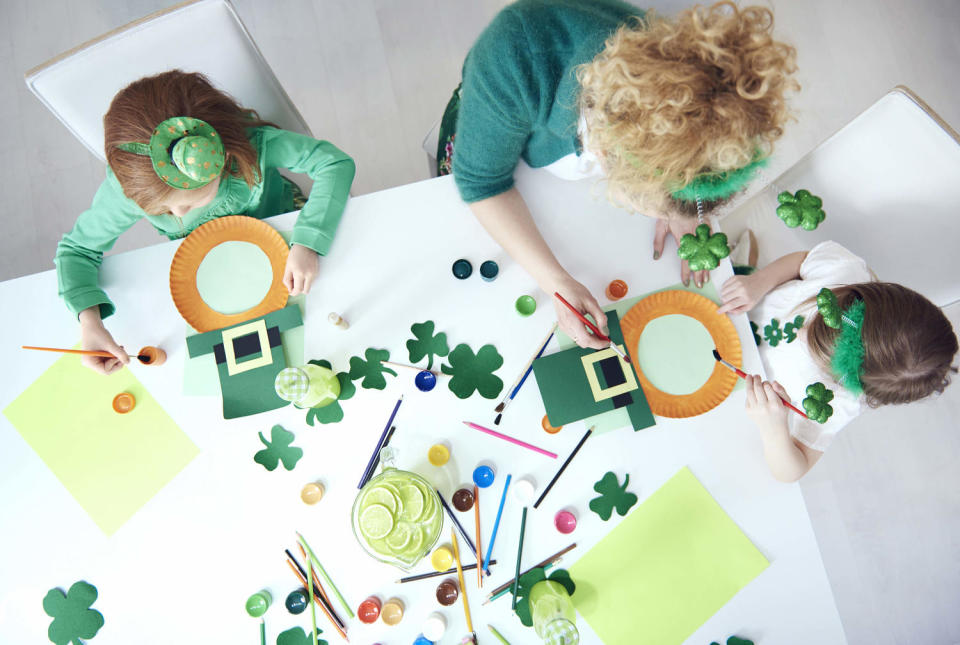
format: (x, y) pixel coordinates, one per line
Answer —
(373, 75)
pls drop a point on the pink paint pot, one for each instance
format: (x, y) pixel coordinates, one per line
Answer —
(565, 521)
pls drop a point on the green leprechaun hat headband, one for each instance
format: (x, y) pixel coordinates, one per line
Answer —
(847, 361)
(711, 186)
(187, 153)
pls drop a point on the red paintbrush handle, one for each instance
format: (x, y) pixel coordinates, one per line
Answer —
(583, 319)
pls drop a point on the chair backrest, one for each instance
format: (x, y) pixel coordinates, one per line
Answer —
(78, 85)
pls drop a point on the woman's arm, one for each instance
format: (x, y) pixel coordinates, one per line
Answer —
(788, 459)
(741, 293)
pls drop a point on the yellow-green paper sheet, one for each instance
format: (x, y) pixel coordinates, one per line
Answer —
(111, 463)
(665, 569)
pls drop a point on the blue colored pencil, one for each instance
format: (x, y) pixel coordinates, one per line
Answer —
(496, 523)
(368, 471)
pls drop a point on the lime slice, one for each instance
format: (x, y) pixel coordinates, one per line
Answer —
(376, 521)
(398, 538)
(414, 546)
(382, 496)
(381, 547)
(413, 503)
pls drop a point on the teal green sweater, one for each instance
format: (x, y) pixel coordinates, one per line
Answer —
(80, 252)
(520, 92)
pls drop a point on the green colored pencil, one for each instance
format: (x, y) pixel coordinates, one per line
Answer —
(498, 635)
(323, 573)
(516, 575)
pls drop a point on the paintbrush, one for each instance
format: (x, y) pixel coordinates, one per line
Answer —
(739, 372)
(524, 373)
(146, 359)
(596, 330)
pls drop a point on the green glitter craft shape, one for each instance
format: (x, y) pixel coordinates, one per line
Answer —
(372, 369)
(73, 619)
(803, 209)
(756, 337)
(704, 250)
(612, 494)
(735, 640)
(332, 413)
(817, 404)
(425, 343)
(278, 449)
(471, 372)
(791, 328)
(531, 578)
(296, 636)
(829, 308)
(772, 333)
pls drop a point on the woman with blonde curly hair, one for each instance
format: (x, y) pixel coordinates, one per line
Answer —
(676, 115)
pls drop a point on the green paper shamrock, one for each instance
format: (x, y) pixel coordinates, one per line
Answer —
(426, 343)
(471, 372)
(802, 209)
(296, 636)
(612, 495)
(817, 404)
(278, 449)
(332, 413)
(527, 582)
(772, 333)
(703, 251)
(735, 640)
(829, 308)
(790, 329)
(372, 369)
(73, 619)
(756, 337)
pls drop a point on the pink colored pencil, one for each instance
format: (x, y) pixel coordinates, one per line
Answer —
(517, 442)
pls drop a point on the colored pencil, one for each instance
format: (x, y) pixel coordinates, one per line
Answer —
(436, 574)
(524, 373)
(552, 559)
(368, 471)
(498, 635)
(409, 367)
(739, 372)
(313, 608)
(476, 519)
(517, 442)
(563, 467)
(509, 586)
(496, 522)
(86, 352)
(516, 575)
(263, 632)
(463, 531)
(386, 442)
(313, 559)
(318, 588)
(596, 330)
(463, 587)
(317, 597)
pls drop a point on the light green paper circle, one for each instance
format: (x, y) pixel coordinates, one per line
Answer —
(676, 354)
(234, 277)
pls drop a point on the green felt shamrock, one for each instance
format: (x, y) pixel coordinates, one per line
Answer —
(372, 369)
(612, 495)
(296, 636)
(703, 251)
(829, 308)
(735, 640)
(332, 413)
(73, 619)
(426, 343)
(474, 372)
(772, 333)
(790, 329)
(278, 449)
(802, 209)
(756, 337)
(527, 582)
(817, 404)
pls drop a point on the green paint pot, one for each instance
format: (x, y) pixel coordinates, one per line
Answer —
(258, 603)
(525, 305)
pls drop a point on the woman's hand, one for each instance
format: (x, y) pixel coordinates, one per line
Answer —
(764, 405)
(301, 269)
(581, 298)
(678, 227)
(741, 293)
(93, 335)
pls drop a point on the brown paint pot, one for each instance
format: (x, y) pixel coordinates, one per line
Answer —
(150, 355)
(463, 500)
(447, 592)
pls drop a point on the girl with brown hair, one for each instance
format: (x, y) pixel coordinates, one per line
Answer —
(181, 153)
(824, 319)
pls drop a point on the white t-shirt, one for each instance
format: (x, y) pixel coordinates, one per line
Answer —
(784, 351)
(576, 167)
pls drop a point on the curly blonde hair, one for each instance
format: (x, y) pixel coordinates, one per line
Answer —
(667, 100)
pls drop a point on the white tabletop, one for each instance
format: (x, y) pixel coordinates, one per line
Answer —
(182, 567)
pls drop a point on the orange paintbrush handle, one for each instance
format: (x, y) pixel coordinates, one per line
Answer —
(88, 352)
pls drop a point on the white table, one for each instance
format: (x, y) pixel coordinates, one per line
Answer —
(180, 569)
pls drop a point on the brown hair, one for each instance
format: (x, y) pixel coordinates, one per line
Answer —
(137, 109)
(667, 100)
(908, 343)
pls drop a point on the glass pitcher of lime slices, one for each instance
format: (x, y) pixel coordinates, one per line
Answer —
(397, 516)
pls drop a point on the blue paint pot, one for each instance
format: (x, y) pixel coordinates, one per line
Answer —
(489, 271)
(483, 476)
(297, 601)
(425, 381)
(462, 269)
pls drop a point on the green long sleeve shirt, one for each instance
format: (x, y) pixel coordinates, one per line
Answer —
(520, 91)
(80, 252)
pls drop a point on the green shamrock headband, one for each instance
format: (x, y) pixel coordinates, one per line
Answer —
(847, 361)
(187, 153)
(711, 186)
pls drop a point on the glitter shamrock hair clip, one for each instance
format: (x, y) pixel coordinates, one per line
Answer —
(187, 153)
(848, 352)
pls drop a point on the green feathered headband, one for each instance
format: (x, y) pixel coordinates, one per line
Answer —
(711, 186)
(847, 361)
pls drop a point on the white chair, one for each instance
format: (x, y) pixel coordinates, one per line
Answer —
(78, 85)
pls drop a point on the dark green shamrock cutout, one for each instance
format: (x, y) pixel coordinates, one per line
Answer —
(426, 343)
(790, 329)
(296, 636)
(612, 495)
(372, 369)
(332, 413)
(474, 372)
(756, 337)
(703, 251)
(829, 308)
(527, 582)
(772, 333)
(73, 619)
(735, 640)
(278, 449)
(802, 209)
(817, 404)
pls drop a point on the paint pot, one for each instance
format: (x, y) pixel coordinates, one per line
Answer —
(434, 627)
(312, 493)
(441, 559)
(525, 305)
(549, 428)
(392, 612)
(463, 500)
(616, 290)
(369, 610)
(337, 321)
(462, 269)
(297, 600)
(124, 402)
(483, 476)
(258, 604)
(565, 522)
(152, 356)
(447, 592)
(438, 454)
(423, 640)
(425, 381)
(489, 271)
(523, 490)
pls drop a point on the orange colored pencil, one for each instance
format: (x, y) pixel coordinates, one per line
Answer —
(316, 580)
(317, 600)
(476, 517)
